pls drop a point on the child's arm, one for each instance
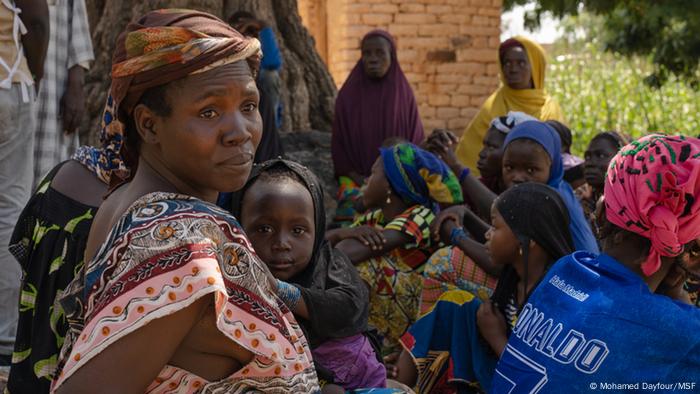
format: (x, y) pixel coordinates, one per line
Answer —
(492, 326)
(359, 251)
(475, 250)
(338, 308)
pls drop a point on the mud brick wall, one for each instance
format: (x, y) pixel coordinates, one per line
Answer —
(447, 48)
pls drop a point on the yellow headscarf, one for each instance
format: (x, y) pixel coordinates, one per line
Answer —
(534, 102)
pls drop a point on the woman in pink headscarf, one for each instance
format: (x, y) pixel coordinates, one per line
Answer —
(621, 316)
(376, 103)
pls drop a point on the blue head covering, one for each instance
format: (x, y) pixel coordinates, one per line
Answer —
(549, 139)
(419, 177)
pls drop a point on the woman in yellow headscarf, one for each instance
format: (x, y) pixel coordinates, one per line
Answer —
(522, 75)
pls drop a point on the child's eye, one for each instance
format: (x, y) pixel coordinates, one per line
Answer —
(507, 168)
(299, 230)
(208, 114)
(530, 171)
(264, 229)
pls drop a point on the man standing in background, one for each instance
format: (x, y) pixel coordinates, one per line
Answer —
(61, 102)
(24, 36)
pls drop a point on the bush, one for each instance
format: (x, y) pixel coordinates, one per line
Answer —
(601, 91)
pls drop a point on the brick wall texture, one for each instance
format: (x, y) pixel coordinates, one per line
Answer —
(448, 49)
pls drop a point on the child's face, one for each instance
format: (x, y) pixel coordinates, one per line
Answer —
(489, 163)
(376, 187)
(598, 155)
(525, 161)
(501, 243)
(279, 220)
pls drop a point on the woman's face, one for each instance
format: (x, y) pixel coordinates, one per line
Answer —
(376, 187)
(516, 68)
(278, 218)
(376, 56)
(501, 243)
(489, 163)
(207, 143)
(525, 160)
(598, 155)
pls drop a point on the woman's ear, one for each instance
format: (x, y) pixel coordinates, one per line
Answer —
(145, 121)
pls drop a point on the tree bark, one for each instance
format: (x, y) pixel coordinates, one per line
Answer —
(308, 90)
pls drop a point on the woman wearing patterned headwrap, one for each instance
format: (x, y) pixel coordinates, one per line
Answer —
(165, 268)
(602, 318)
(392, 241)
(49, 242)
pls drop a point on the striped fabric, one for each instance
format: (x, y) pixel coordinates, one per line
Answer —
(69, 45)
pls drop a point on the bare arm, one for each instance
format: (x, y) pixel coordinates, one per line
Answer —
(359, 252)
(35, 16)
(140, 355)
(474, 249)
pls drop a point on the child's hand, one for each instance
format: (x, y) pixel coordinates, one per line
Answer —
(390, 363)
(492, 326)
(369, 236)
(454, 213)
(443, 142)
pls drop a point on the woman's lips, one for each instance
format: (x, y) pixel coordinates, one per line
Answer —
(238, 160)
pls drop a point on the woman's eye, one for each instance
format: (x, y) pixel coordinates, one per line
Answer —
(507, 168)
(250, 107)
(208, 114)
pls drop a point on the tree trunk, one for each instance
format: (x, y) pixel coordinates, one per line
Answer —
(308, 90)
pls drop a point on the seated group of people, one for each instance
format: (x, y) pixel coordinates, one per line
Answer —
(444, 282)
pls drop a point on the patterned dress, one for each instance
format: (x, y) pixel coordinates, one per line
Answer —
(48, 242)
(165, 252)
(395, 279)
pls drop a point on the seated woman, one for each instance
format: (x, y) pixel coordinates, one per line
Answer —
(457, 344)
(621, 316)
(391, 242)
(523, 64)
(375, 103)
(281, 210)
(49, 242)
(599, 152)
(165, 268)
(532, 153)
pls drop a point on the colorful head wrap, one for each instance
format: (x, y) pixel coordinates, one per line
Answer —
(419, 177)
(549, 139)
(161, 47)
(652, 189)
(170, 44)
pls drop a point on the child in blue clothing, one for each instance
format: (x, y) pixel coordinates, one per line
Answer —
(622, 317)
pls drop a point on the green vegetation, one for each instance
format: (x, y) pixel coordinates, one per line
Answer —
(602, 90)
(665, 31)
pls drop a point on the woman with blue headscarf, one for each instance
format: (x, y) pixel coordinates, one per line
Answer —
(391, 243)
(532, 153)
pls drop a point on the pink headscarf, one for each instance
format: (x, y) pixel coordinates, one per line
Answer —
(653, 189)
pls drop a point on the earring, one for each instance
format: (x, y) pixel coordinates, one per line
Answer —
(520, 251)
(388, 198)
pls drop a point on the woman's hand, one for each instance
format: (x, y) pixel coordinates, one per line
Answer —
(446, 220)
(492, 326)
